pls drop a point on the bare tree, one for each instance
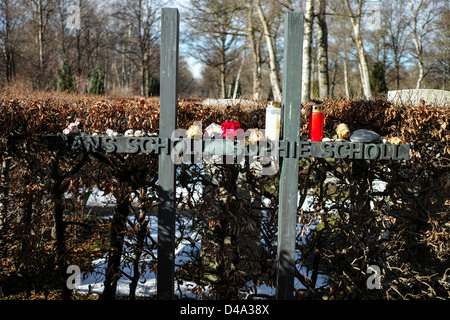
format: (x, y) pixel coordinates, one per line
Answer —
(215, 23)
(346, 80)
(273, 65)
(60, 23)
(355, 18)
(255, 44)
(423, 14)
(42, 11)
(396, 26)
(440, 49)
(339, 49)
(322, 33)
(8, 21)
(238, 76)
(140, 18)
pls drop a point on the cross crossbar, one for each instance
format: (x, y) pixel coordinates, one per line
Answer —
(285, 149)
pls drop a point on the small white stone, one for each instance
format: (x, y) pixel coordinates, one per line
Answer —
(111, 133)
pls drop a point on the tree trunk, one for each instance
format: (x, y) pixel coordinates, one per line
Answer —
(255, 44)
(346, 83)
(144, 70)
(333, 79)
(322, 51)
(307, 39)
(222, 82)
(273, 70)
(364, 68)
(365, 80)
(419, 51)
(418, 42)
(223, 67)
(9, 61)
(8, 47)
(421, 74)
(397, 73)
(256, 71)
(41, 36)
(238, 77)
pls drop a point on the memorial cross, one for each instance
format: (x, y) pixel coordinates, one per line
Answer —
(290, 148)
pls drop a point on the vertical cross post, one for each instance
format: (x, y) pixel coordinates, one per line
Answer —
(288, 194)
(166, 173)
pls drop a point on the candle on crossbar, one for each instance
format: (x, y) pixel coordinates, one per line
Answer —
(273, 121)
(316, 122)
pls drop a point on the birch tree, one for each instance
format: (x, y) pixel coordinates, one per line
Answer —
(273, 68)
(42, 11)
(340, 37)
(307, 42)
(255, 44)
(355, 18)
(422, 14)
(238, 76)
(322, 33)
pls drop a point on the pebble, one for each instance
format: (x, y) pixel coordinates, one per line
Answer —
(364, 135)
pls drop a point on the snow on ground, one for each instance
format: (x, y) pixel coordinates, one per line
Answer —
(93, 283)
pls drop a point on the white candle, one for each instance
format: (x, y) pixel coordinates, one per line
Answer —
(273, 122)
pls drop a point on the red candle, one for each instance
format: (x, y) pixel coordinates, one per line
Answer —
(316, 121)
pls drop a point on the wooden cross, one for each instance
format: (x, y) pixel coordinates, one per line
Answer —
(290, 148)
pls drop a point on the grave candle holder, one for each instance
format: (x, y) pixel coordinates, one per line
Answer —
(316, 122)
(273, 121)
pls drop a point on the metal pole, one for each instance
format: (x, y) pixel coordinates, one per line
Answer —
(166, 172)
(291, 103)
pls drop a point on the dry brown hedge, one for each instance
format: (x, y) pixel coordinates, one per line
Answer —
(404, 228)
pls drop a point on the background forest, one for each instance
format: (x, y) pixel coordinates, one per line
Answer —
(228, 47)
